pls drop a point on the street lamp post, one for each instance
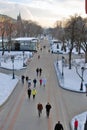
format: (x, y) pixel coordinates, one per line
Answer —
(57, 61)
(63, 65)
(85, 125)
(23, 59)
(12, 58)
(86, 88)
(82, 71)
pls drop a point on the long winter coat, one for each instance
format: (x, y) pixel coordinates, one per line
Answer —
(58, 126)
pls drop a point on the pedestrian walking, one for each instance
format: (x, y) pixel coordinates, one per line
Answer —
(40, 70)
(26, 78)
(40, 82)
(49, 50)
(29, 83)
(39, 108)
(85, 124)
(48, 107)
(34, 81)
(44, 81)
(41, 48)
(29, 92)
(34, 92)
(38, 56)
(58, 126)
(76, 124)
(22, 78)
(37, 71)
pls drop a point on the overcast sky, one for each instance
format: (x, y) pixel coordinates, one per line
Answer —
(45, 12)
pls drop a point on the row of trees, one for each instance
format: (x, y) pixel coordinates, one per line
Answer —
(74, 32)
(10, 28)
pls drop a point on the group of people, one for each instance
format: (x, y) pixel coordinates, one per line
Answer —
(32, 91)
(43, 81)
(40, 108)
(39, 72)
(58, 125)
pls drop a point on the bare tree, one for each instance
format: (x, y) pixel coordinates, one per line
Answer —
(84, 38)
(3, 33)
(70, 31)
(10, 29)
(77, 35)
(30, 28)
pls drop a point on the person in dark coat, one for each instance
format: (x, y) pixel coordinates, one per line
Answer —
(58, 126)
(29, 92)
(37, 71)
(34, 81)
(22, 78)
(38, 56)
(40, 71)
(48, 107)
(26, 78)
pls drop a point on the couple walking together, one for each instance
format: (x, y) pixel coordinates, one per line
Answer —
(33, 92)
(40, 108)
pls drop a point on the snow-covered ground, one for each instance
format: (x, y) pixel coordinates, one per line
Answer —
(71, 81)
(56, 47)
(19, 59)
(7, 83)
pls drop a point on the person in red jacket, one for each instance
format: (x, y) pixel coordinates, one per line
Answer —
(76, 124)
(40, 82)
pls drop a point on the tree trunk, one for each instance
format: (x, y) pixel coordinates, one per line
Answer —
(79, 47)
(86, 56)
(2, 44)
(70, 54)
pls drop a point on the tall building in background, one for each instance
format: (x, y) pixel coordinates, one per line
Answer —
(19, 26)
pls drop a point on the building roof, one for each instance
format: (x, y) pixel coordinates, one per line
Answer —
(33, 39)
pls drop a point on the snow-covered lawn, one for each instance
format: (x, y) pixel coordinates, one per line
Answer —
(71, 80)
(19, 59)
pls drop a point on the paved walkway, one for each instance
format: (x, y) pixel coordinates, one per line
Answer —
(44, 95)
(21, 113)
